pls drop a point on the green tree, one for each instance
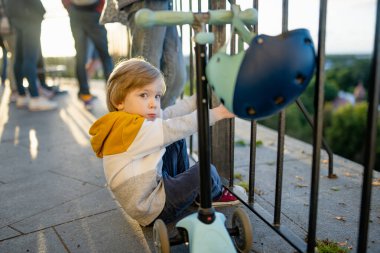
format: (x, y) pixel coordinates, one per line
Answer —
(347, 70)
(346, 134)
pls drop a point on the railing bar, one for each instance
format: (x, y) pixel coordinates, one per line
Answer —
(370, 143)
(326, 147)
(252, 163)
(180, 30)
(280, 138)
(279, 168)
(231, 122)
(231, 125)
(191, 70)
(317, 133)
(252, 146)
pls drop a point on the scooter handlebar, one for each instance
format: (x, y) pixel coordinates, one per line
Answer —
(147, 18)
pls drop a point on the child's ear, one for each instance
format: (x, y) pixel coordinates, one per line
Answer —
(120, 106)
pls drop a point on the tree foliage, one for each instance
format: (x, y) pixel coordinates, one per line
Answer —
(347, 70)
(344, 127)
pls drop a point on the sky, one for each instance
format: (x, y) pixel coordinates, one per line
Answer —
(350, 25)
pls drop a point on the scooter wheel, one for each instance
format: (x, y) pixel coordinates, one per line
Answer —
(160, 237)
(243, 241)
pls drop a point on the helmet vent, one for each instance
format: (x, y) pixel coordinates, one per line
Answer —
(260, 40)
(300, 78)
(307, 41)
(251, 111)
(279, 100)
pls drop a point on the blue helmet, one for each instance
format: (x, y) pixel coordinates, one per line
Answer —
(265, 78)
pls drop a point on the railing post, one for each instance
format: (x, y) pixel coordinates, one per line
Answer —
(252, 147)
(318, 127)
(222, 132)
(370, 143)
(280, 138)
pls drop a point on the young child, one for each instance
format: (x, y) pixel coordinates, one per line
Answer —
(143, 149)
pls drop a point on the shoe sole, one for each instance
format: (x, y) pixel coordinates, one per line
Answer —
(41, 110)
(221, 204)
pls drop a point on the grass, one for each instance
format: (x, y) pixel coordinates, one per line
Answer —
(238, 176)
(327, 246)
(242, 143)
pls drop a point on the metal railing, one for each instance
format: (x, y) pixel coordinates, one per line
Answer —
(226, 165)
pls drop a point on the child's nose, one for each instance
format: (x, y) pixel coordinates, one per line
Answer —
(152, 103)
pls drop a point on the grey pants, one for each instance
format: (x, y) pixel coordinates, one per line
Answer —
(161, 46)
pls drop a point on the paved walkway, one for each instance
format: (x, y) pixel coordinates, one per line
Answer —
(53, 196)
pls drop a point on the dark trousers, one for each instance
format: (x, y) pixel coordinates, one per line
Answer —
(85, 26)
(181, 183)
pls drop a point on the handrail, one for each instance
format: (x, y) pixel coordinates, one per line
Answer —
(147, 18)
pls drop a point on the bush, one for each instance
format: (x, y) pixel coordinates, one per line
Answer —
(346, 135)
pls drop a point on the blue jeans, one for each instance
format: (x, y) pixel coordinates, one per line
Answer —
(181, 183)
(161, 46)
(92, 54)
(27, 52)
(85, 25)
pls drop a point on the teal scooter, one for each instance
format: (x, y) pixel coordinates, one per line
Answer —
(255, 83)
(204, 231)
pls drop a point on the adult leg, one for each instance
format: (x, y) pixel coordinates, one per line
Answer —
(80, 41)
(41, 70)
(173, 67)
(31, 51)
(148, 42)
(28, 42)
(18, 59)
(98, 35)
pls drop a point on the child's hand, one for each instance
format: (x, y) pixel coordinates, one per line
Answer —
(223, 113)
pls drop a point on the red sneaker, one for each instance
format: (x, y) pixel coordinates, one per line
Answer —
(226, 199)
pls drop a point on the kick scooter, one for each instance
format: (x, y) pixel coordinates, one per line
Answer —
(204, 231)
(255, 83)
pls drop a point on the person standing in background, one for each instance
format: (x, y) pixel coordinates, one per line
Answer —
(159, 45)
(9, 41)
(26, 17)
(84, 21)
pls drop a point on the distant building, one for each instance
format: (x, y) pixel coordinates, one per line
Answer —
(343, 98)
(360, 92)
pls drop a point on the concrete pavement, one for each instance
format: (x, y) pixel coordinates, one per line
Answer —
(53, 196)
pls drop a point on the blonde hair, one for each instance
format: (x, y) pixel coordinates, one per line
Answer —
(127, 76)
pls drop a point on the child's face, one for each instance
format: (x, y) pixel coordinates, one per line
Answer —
(144, 101)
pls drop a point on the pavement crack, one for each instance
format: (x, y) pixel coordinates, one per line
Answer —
(61, 240)
(84, 182)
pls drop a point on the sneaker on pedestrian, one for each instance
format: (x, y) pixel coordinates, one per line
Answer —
(41, 104)
(87, 99)
(13, 97)
(22, 102)
(46, 93)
